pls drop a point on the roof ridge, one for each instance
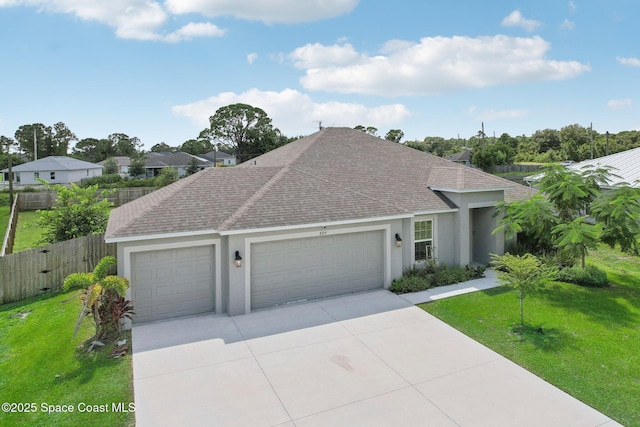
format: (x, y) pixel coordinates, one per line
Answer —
(235, 216)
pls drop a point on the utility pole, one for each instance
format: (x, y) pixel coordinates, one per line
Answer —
(591, 127)
(607, 147)
(35, 145)
(10, 173)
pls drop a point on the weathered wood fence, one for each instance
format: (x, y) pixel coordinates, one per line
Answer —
(29, 273)
(47, 199)
(10, 235)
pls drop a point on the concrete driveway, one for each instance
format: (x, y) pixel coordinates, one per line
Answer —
(372, 359)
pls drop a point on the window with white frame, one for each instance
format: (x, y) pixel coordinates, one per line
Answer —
(423, 240)
(53, 175)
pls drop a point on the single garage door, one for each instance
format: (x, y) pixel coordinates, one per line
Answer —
(172, 282)
(294, 270)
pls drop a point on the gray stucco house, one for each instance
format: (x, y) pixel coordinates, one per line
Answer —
(53, 169)
(333, 213)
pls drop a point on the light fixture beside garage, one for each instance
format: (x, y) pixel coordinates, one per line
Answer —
(398, 240)
(238, 259)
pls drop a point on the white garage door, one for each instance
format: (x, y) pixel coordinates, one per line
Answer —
(304, 269)
(172, 282)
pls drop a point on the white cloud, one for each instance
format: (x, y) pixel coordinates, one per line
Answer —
(317, 55)
(293, 112)
(251, 58)
(269, 11)
(572, 6)
(147, 19)
(619, 104)
(515, 19)
(567, 25)
(193, 30)
(434, 65)
(632, 62)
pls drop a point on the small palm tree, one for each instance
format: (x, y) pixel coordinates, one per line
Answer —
(102, 296)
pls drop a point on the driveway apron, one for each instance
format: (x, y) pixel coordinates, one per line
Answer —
(371, 359)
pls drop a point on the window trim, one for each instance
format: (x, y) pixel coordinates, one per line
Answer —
(433, 239)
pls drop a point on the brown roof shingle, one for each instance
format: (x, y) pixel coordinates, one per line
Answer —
(337, 174)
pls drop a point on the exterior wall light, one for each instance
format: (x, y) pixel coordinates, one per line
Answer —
(238, 259)
(398, 240)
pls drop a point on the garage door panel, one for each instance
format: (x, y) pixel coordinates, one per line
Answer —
(173, 282)
(304, 269)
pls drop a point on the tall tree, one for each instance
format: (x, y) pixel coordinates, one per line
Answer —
(247, 130)
(94, 150)
(196, 146)
(124, 145)
(394, 135)
(136, 167)
(619, 212)
(61, 139)
(163, 147)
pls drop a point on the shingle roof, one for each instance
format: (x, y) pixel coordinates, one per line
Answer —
(54, 163)
(179, 159)
(337, 174)
(120, 160)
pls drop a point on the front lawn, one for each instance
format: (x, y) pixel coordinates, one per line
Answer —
(589, 342)
(42, 364)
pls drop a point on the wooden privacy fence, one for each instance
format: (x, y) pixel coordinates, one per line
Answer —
(47, 199)
(33, 272)
(10, 235)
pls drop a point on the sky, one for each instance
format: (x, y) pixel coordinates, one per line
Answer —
(157, 70)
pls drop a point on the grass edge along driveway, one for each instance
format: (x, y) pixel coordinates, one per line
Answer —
(589, 341)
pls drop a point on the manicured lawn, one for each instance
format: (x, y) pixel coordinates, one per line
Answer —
(41, 363)
(590, 340)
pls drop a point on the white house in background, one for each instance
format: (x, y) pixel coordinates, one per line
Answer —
(220, 158)
(123, 163)
(626, 165)
(333, 213)
(54, 170)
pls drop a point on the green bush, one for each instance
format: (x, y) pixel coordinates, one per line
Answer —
(101, 181)
(407, 284)
(590, 276)
(417, 278)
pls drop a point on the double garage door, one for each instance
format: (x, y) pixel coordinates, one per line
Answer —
(287, 271)
(173, 282)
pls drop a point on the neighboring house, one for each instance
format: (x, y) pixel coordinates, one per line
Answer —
(155, 162)
(333, 213)
(123, 163)
(53, 169)
(463, 157)
(626, 165)
(220, 158)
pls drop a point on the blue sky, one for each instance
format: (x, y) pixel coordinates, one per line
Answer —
(157, 70)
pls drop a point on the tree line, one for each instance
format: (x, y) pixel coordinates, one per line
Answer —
(246, 131)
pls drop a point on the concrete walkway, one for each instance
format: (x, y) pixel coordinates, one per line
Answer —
(372, 359)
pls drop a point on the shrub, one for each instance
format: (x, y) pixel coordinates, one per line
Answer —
(101, 181)
(417, 278)
(590, 276)
(414, 283)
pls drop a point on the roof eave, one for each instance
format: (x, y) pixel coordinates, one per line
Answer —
(123, 239)
(470, 190)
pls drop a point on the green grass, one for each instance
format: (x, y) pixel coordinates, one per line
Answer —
(28, 233)
(590, 340)
(41, 362)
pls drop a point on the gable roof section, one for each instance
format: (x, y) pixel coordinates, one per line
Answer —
(54, 163)
(175, 160)
(335, 175)
(120, 160)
